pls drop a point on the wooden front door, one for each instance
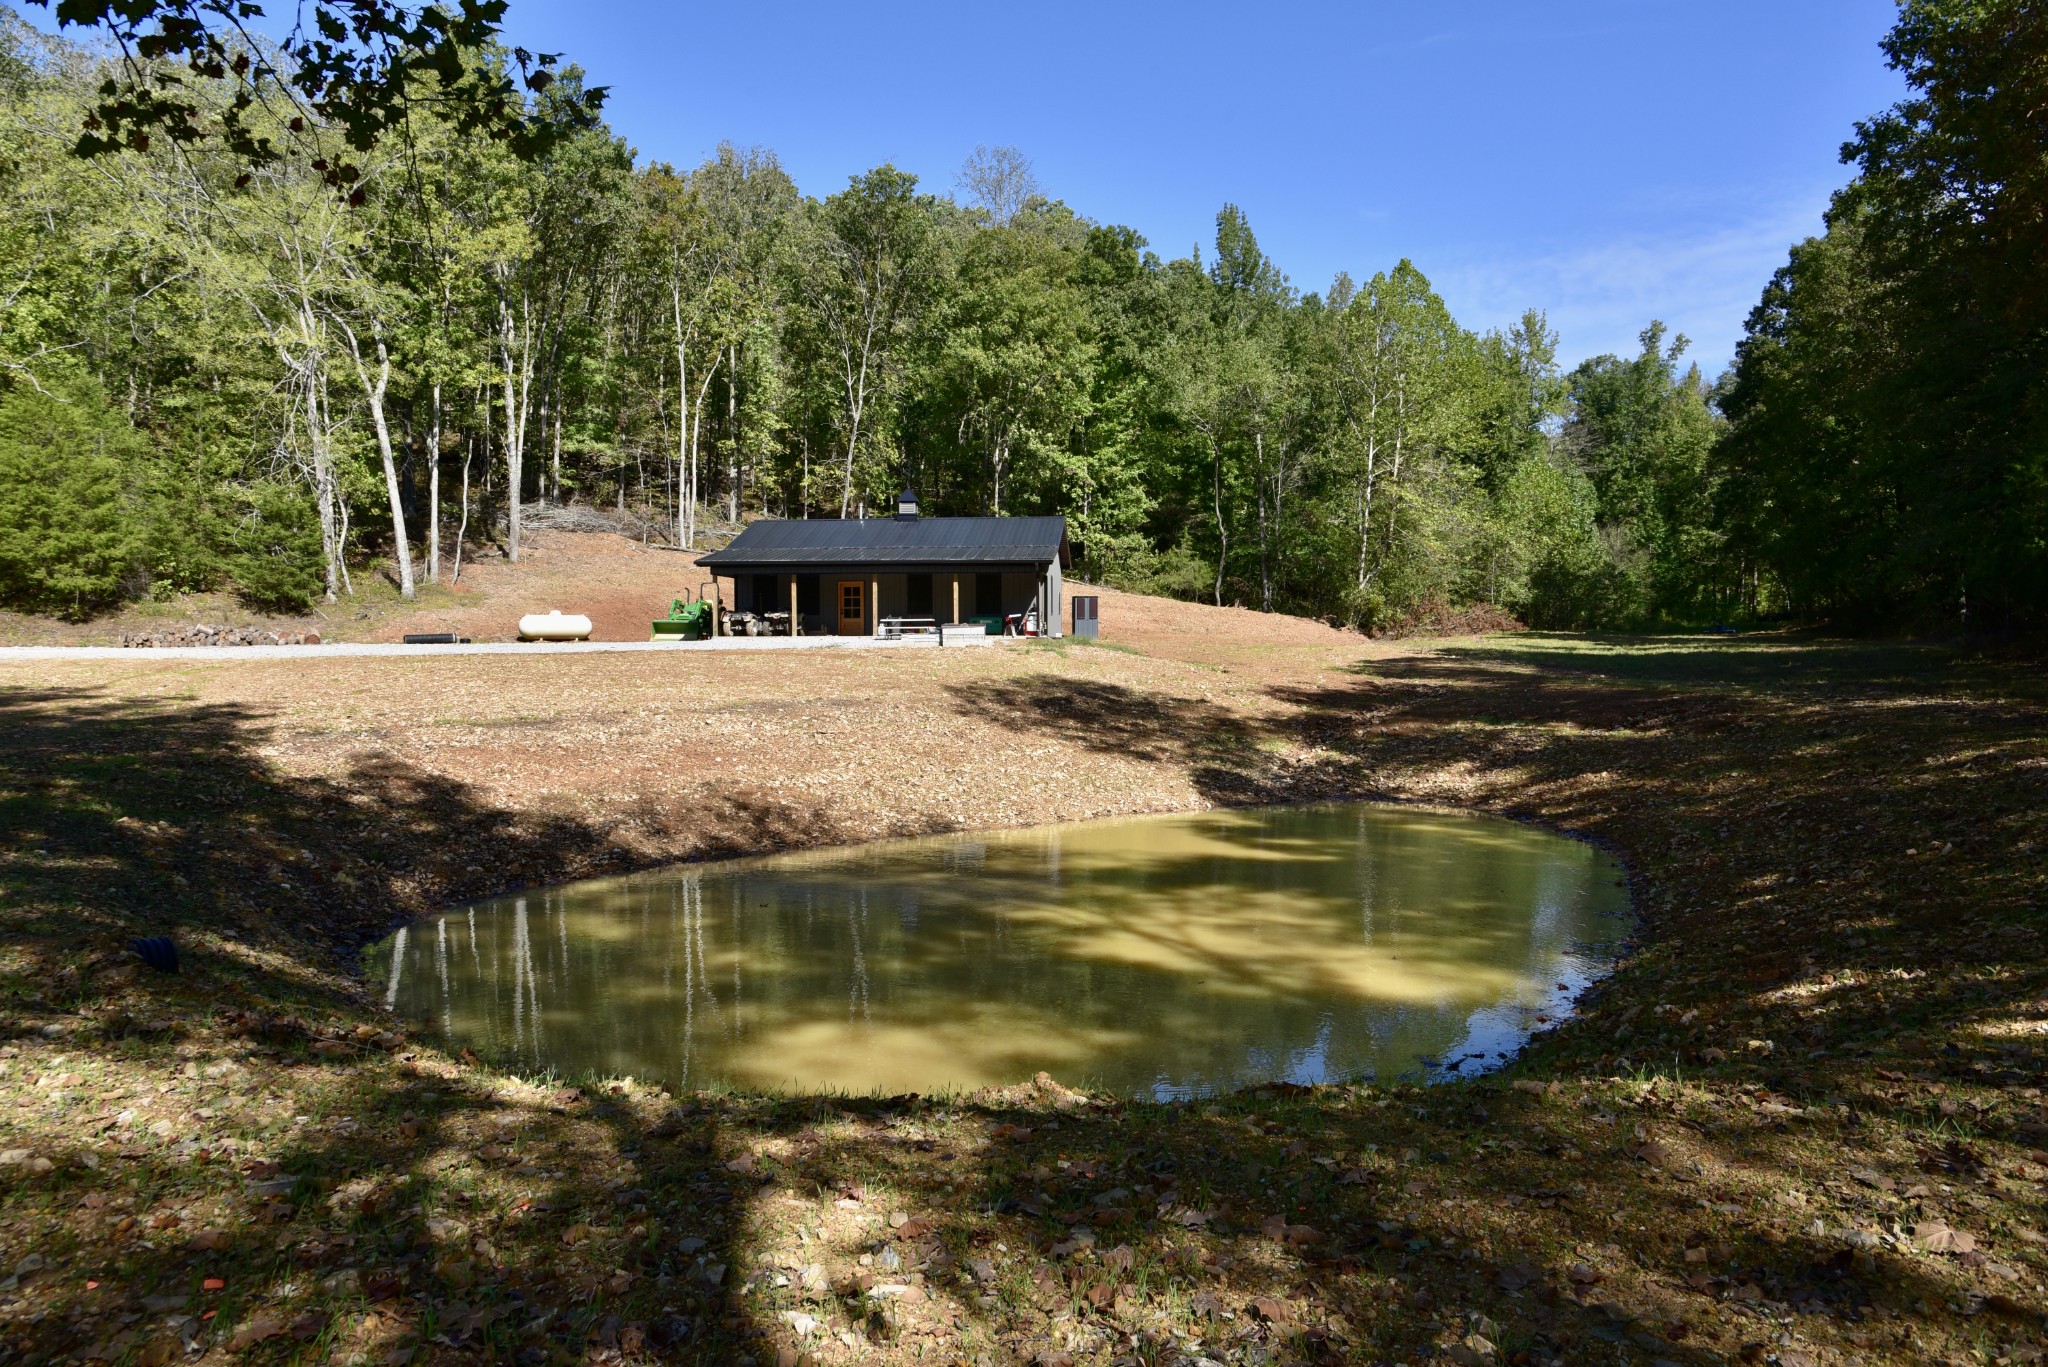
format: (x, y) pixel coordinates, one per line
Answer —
(853, 613)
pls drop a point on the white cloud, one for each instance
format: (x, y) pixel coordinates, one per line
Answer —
(1701, 280)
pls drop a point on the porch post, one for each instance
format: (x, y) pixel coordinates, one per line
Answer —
(795, 622)
(875, 603)
(717, 601)
(956, 598)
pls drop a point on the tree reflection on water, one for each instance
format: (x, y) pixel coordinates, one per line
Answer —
(1169, 955)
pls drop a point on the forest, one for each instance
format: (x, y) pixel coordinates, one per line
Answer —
(280, 375)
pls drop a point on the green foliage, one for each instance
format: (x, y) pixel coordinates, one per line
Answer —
(364, 64)
(1644, 434)
(69, 527)
(274, 541)
(316, 385)
(1889, 454)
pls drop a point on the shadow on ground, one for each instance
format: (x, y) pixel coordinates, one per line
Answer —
(1797, 1123)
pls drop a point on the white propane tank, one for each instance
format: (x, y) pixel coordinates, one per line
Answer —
(553, 626)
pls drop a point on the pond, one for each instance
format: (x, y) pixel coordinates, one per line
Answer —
(1169, 956)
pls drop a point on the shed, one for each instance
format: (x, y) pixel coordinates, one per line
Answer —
(853, 576)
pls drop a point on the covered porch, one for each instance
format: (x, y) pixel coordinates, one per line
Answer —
(863, 600)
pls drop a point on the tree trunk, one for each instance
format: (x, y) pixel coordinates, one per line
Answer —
(462, 531)
(340, 504)
(846, 481)
(732, 434)
(373, 395)
(323, 488)
(1222, 531)
(696, 426)
(1265, 535)
(857, 402)
(434, 494)
(685, 520)
(514, 474)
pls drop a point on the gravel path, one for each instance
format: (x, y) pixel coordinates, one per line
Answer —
(364, 648)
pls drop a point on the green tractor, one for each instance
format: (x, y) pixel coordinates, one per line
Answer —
(687, 620)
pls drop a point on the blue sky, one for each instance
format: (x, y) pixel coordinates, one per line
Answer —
(1609, 161)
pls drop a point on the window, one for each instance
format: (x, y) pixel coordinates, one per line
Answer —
(768, 595)
(807, 595)
(918, 598)
(988, 595)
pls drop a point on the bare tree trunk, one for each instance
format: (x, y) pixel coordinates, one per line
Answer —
(685, 520)
(340, 504)
(462, 532)
(517, 400)
(1365, 501)
(373, 395)
(857, 396)
(732, 433)
(1394, 467)
(696, 425)
(514, 474)
(434, 493)
(323, 488)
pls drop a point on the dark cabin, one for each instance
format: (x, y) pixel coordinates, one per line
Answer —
(871, 576)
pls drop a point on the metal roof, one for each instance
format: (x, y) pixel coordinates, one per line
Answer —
(893, 541)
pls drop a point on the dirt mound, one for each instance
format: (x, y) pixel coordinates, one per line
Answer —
(619, 584)
(1200, 633)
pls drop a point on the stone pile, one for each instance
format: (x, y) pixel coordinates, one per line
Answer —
(220, 636)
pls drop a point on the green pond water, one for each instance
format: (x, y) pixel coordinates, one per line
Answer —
(1169, 956)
